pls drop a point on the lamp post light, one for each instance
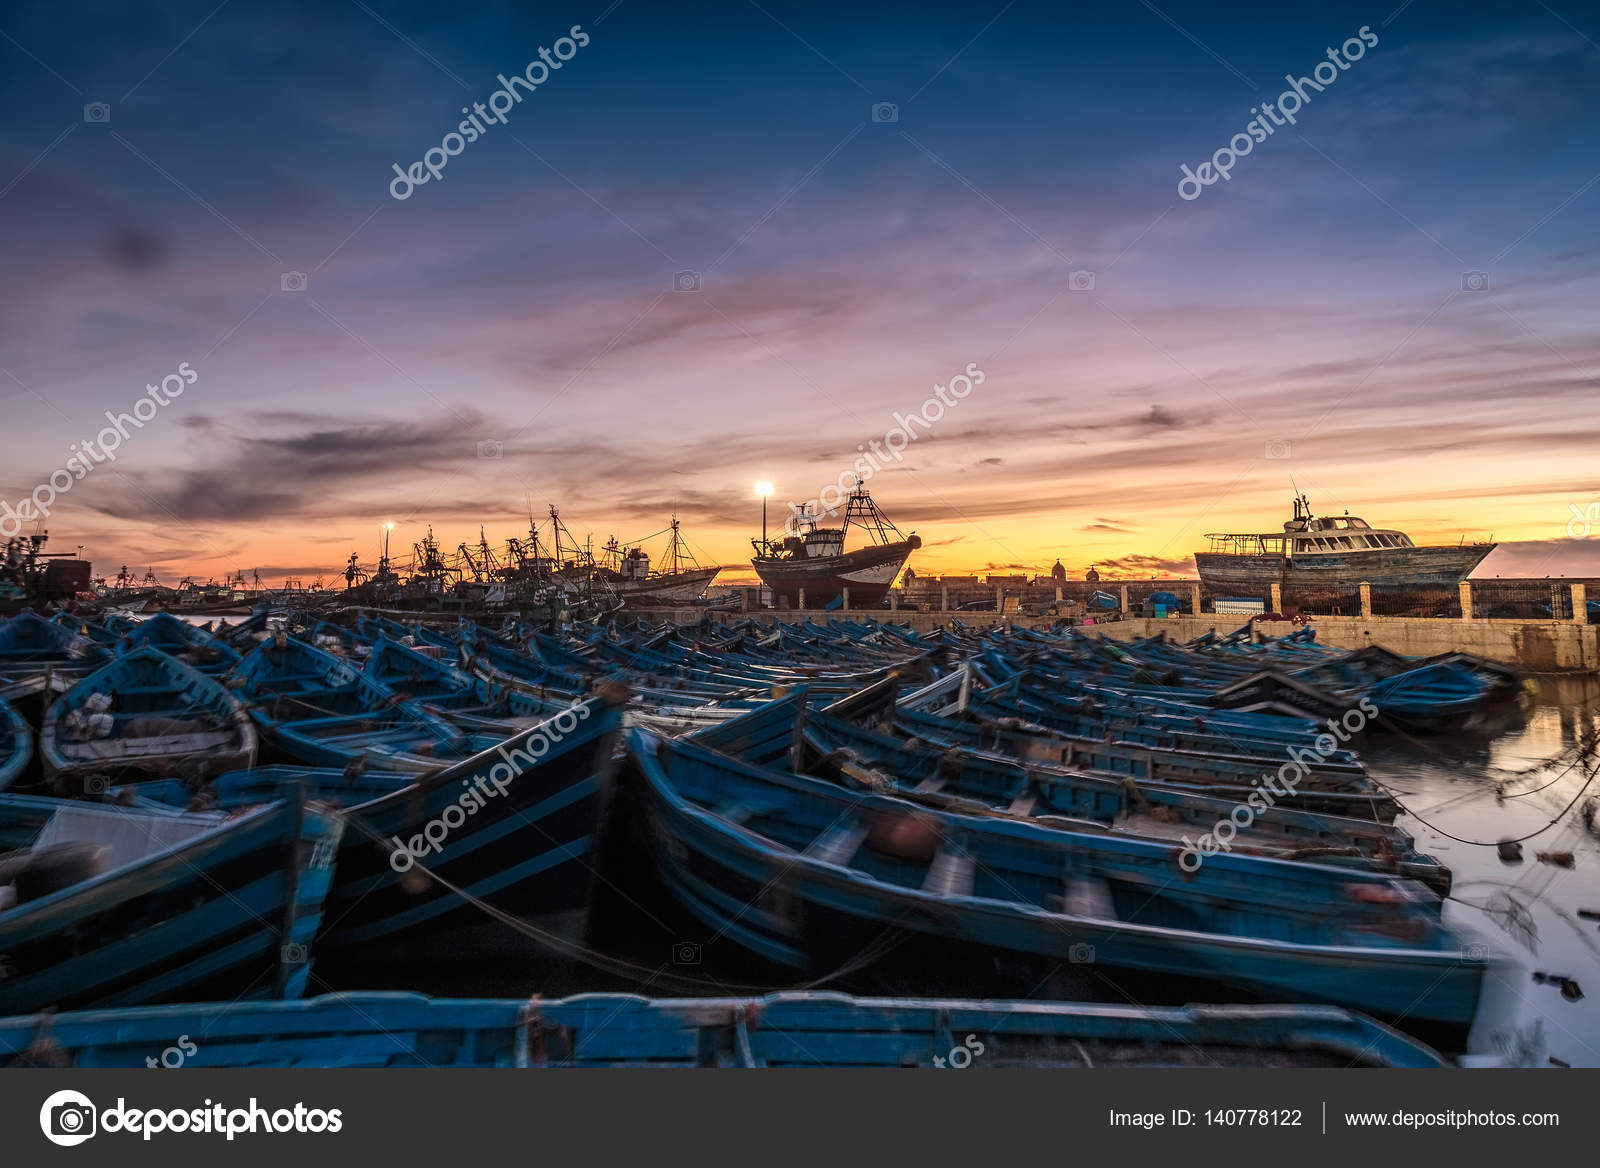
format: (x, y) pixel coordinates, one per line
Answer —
(764, 489)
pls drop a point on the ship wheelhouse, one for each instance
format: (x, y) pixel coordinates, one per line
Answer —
(1341, 534)
(1309, 535)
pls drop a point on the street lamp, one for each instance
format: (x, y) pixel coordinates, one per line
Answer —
(764, 489)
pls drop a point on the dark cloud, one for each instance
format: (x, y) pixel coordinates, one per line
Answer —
(137, 251)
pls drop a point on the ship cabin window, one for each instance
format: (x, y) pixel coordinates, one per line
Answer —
(1346, 541)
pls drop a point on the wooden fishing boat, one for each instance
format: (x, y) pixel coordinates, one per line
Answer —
(144, 715)
(1321, 557)
(785, 734)
(626, 571)
(118, 906)
(16, 744)
(322, 710)
(1431, 697)
(31, 645)
(527, 813)
(188, 643)
(809, 566)
(792, 1029)
(789, 868)
(1223, 778)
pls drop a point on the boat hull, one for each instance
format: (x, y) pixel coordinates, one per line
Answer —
(527, 850)
(1391, 570)
(868, 573)
(804, 1028)
(676, 588)
(230, 913)
(723, 873)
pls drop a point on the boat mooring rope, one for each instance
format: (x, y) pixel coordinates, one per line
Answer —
(1520, 839)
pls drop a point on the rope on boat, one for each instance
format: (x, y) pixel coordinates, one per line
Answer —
(881, 946)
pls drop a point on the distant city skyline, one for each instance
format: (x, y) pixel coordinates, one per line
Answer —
(707, 248)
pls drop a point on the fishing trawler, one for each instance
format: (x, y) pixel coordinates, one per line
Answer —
(1326, 554)
(813, 561)
(627, 572)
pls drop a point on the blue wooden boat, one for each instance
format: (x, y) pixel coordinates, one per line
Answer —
(792, 1029)
(322, 710)
(1432, 696)
(16, 744)
(177, 638)
(30, 644)
(790, 868)
(345, 789)
(144, 715)
(528, 812)
(527, 850)
(1220, 777)
(327, 711)
(120, 906)
(785, 734)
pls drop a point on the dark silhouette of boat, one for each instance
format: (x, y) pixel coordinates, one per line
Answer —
(1315, 555)
(812, 559)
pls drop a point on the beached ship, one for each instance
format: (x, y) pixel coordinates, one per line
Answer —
(627, 572)
(812, 559)
(1330, 554)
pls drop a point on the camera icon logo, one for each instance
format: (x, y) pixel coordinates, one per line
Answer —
(97, 111)
(1277, 449)
(95, 785)
(294, 954)
(490, 448)
(686, 281)
(293, 282)
(67, 1118)
(1081, 954)
(1474, 281)
(884, 112)
(1081, 281)
(686, 953)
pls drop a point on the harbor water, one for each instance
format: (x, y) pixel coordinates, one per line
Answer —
(1493, 788)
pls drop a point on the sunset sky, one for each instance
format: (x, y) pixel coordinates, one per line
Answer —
(1309, 322)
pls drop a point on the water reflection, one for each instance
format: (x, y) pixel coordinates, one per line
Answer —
(1523, 779)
